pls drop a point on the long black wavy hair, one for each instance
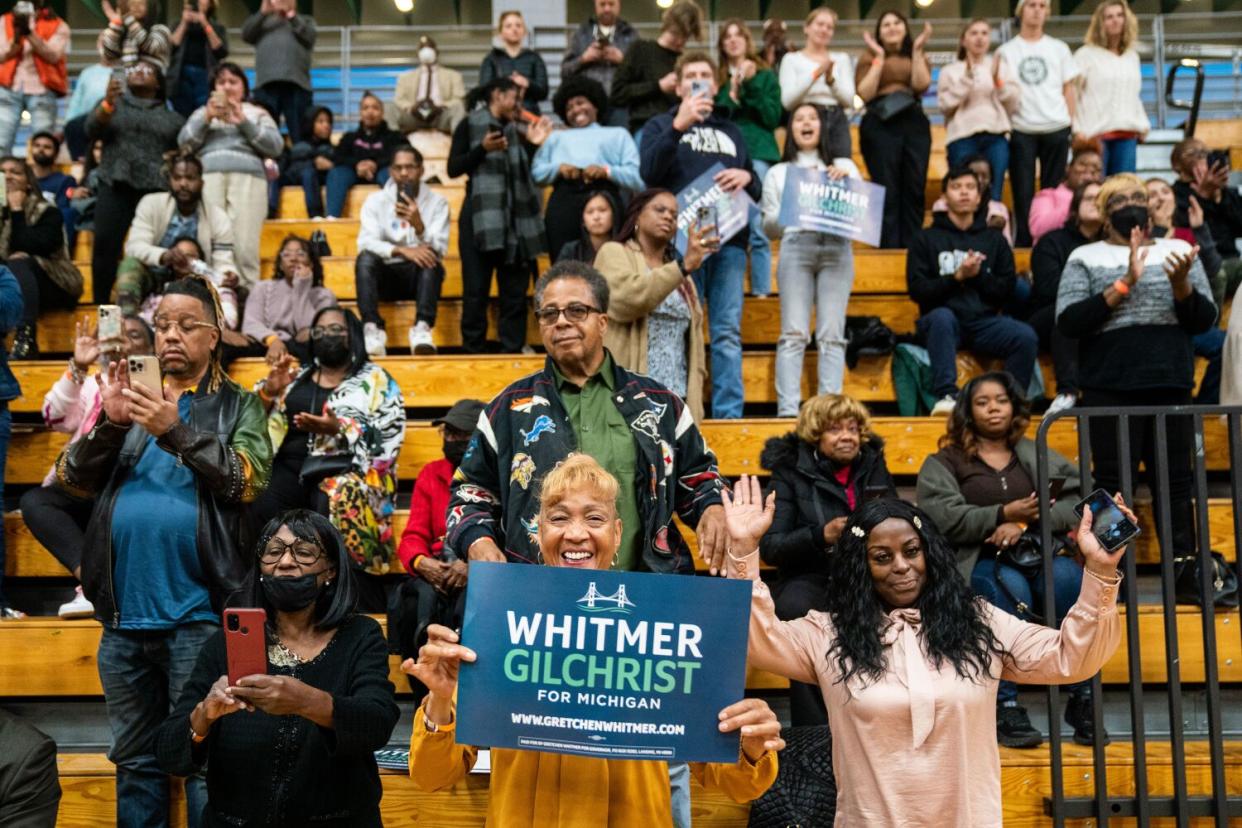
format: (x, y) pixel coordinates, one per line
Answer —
(953, 630)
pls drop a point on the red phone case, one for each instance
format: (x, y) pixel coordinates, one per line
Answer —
(244, 642)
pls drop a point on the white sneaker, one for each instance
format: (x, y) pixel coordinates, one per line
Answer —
(79, 607)
(944, 406)
(1062, 402)
(376, 339)
(420, 340)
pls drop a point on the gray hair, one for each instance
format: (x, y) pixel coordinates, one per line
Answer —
(570, 269)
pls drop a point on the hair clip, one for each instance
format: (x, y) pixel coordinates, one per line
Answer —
(857, 531)
(918, 524)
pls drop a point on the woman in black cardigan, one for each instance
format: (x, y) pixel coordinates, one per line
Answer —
(302, 750)
(821, 472)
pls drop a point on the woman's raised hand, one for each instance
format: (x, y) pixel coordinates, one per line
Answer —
(1096, 558)
(438, 661)
(747, 515)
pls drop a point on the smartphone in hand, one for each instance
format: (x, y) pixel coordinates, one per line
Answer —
(145, 371)
(1109, 524)
(245, 643)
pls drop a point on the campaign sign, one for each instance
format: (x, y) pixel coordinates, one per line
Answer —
(615, 665)
(848, 207)
(731, 211)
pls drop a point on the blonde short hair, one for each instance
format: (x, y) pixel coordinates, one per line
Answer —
(821, 411)
(1115, 184)
(505, 15)
(578, 472)
(816, 12)
(1095, 34)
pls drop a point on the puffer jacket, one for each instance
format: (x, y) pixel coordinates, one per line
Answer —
(808, 498)
(525, 431)
(224, 441)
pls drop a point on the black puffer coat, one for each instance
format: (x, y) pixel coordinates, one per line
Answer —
(808, 497)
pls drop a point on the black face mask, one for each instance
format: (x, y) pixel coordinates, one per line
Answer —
(332, 351)
(1127, 218)
(455, 450)
(291, 594)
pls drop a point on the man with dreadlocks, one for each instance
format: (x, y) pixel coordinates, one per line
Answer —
(163, 554)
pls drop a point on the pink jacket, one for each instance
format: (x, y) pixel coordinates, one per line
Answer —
(1049, 210)
(71, 409)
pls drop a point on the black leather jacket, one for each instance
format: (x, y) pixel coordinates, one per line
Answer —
(224, 442)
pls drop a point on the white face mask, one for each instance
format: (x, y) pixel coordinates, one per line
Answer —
(426, 55)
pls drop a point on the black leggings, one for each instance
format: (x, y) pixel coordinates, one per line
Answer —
(58, 521)
(115, 205)
(794, 597)
(39, 293)
(512, 279)
(1064, 349)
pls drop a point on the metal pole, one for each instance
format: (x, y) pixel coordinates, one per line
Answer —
(1142, 806)
(1157, 36)
(346, 60)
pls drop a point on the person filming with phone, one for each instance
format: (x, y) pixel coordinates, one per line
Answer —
(302, 749)
(402, 242)
(163, 554)
(979, 488)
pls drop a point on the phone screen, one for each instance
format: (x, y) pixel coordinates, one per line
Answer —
(1109, 524)
(1054, 487)
(698, 88)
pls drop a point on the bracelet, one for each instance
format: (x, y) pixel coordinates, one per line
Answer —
(1121, 287)
(262, 392)
(195, 738)
(106, 106)
(75, 373)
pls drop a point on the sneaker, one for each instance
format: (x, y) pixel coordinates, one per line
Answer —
(1078, 716)
(1062, 402)
(79, 607)
(420, 340)
(1014, 730)
(944, 406)
(7, 613)
(376, 339)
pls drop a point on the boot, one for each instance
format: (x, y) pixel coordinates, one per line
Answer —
(1078, 716)
(25, 344)
(1014, 729)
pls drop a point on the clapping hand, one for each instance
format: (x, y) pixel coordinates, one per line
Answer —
(824, 70)
(325, 423)
(970, 266)
(761, 730)
(1097, 559)
(920, 42)
(876, 49)
(1177, 266)
(1138, 256)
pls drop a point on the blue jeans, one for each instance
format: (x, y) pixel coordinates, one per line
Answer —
(1066, 581)
(679, 793)
(1120, 155)
(721, 282)
(42, 109)
(340, 179)
(192, 90)
(991, 146)
(287, 99)
(6, 431)
(760, 248)
(142, 672)
(998, 336)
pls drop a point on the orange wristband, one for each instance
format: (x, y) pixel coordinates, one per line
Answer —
(107, 106)
(1121, 287)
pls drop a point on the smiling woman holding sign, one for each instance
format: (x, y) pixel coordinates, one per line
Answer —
(578, 527)
(908, 660)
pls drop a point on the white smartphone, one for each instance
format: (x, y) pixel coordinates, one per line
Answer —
(109, 323)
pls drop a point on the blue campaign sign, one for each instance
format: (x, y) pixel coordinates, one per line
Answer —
(728, 212)
(848, 207)
(616, 665)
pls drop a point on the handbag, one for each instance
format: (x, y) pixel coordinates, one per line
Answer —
(1224, 581)
(891, 105)
(319, 243)
(867, 335)
(319, 467)
(805, 791)
(1026, 555)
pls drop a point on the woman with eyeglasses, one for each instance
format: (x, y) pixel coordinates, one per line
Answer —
(302, 753)
(280, 310)
(337, 428)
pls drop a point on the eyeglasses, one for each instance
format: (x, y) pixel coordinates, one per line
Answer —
(303, 553)
(320, 331)
(575, 312)
(1126, 198)
(186, 324)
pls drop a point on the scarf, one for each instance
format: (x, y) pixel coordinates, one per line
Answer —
(504, 203)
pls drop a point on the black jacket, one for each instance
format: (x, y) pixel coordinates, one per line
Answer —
(224, 443)
(1048, 259)
(935, 254)
(29, 788)
(1223, 218)
(808, 498)
(362, 144)
(528, 64)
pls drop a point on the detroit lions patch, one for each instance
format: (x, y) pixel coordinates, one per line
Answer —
(522, 470)
(543, 425)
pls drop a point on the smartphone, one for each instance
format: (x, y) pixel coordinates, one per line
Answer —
(1110, 525)
(1217, 158)
(407, 190)
(245, 643)
(109, 323)
(700, 89)
(219, 98)
(1054, 487)
(145, 371)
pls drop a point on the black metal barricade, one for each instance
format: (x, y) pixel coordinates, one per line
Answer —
(1140, 804)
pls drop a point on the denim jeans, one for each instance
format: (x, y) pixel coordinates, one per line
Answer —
(760, 247)
(1120, 155)
(192, 90)
(340, 179)
(815, 270)
(679, 793)
(998, 336)
(287, 99)
(991, 146)
(6, 431)
(42, 109)
(142, 672)
(1066, 581)
(721, 283)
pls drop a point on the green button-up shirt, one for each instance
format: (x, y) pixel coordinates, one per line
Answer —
(603, 434)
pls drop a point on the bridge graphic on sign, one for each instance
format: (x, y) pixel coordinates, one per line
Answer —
(617, 602)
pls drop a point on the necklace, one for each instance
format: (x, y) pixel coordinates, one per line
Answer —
(282, 656)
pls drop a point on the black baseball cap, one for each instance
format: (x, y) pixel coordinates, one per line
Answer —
(463, 416)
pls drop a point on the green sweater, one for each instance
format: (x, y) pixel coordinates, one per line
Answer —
(757, 115)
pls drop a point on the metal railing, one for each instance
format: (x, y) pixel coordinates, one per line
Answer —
(1141, 804)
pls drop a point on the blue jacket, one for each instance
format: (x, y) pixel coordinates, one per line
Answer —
(673, 159)
(10, 315)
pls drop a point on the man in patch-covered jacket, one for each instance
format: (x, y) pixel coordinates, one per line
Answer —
(582, 401)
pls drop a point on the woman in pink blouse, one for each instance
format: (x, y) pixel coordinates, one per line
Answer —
(912, 705)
